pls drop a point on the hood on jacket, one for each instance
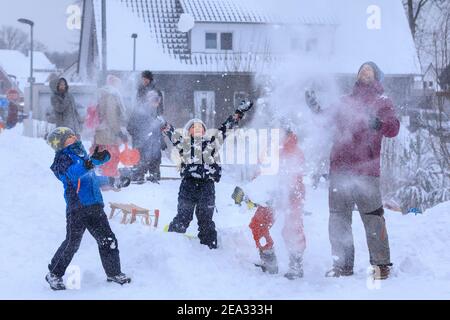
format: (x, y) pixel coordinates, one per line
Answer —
(190, 123)
(54, 85)
(379, 75)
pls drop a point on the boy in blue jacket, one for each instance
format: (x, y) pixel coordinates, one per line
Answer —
(75, 169)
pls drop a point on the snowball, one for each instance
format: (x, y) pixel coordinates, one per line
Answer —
(186, 22)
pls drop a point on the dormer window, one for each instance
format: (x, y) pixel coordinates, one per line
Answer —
(226, 41)
(211, 40)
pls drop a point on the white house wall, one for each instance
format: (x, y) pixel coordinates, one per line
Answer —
(246, 37)
(260, 38)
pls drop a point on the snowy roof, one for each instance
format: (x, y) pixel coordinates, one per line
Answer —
(161, 47)
(17, 64)
(253, 11)
(391, 46)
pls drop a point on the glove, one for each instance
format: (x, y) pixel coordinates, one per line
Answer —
(375, 123)
(88, 164)
(166, 127)
(100, 157)
(120, 182)
(244, 107)
(311, 100)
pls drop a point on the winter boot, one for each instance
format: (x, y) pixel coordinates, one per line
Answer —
(153, 178)
(55, 282)
(381, 272)
(337, 272)
(268, 261)
(295, 267)
(121, 279)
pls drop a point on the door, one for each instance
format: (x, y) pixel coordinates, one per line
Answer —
(205, 107)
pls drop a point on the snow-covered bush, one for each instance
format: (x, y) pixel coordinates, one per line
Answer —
(412, 174)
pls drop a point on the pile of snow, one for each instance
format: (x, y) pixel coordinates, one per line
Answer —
(171, 266)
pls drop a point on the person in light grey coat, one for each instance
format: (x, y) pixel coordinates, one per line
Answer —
(65, 113)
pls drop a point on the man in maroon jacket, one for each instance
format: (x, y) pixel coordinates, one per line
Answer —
(361, 121)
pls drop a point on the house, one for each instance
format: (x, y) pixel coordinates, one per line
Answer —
(430, 79)
(6, 82)
(205, 71)
(16, 66)
(444, 79)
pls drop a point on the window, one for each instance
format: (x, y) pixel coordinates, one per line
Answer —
(226, 41)
(205, 107)
(211, 40)
(311, 45)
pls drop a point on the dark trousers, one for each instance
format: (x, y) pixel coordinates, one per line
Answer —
(199, 196)
(364, 191)
(148, 164)
(94, 219)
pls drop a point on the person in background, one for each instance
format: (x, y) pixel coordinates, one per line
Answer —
(147, 85)
(144, 127)
(13, 108)
(110, 132)
(64, 113)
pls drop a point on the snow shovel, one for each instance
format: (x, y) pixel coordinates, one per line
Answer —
(239, 196)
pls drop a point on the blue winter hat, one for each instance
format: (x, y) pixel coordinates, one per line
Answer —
(379, 75)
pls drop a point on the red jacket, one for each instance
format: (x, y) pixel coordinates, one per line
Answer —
(357, 146)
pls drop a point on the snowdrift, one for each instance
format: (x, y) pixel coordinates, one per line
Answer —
(171, 266)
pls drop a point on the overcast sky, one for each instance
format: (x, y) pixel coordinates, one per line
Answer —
(50, 21)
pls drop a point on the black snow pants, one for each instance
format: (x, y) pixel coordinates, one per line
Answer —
(94, 219)
(199, 196)
(150, 164)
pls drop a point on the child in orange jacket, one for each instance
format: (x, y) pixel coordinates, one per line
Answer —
(288, 199)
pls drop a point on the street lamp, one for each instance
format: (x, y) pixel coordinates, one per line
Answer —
(134, 36)
(31, 79)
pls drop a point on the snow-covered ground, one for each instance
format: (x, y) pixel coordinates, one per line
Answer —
(171, 266)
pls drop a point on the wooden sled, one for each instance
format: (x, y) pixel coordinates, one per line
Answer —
(134, 211)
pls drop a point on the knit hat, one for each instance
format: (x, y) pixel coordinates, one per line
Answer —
(147, 75)
(379, 75)
(57, 138)
(190, 123)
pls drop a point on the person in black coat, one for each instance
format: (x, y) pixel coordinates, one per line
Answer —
(144, 127)
(147, 85)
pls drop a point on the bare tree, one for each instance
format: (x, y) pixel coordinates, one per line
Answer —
(416, 8)
(13, 38)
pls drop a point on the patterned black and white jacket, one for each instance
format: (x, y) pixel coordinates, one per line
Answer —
(200, 155)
